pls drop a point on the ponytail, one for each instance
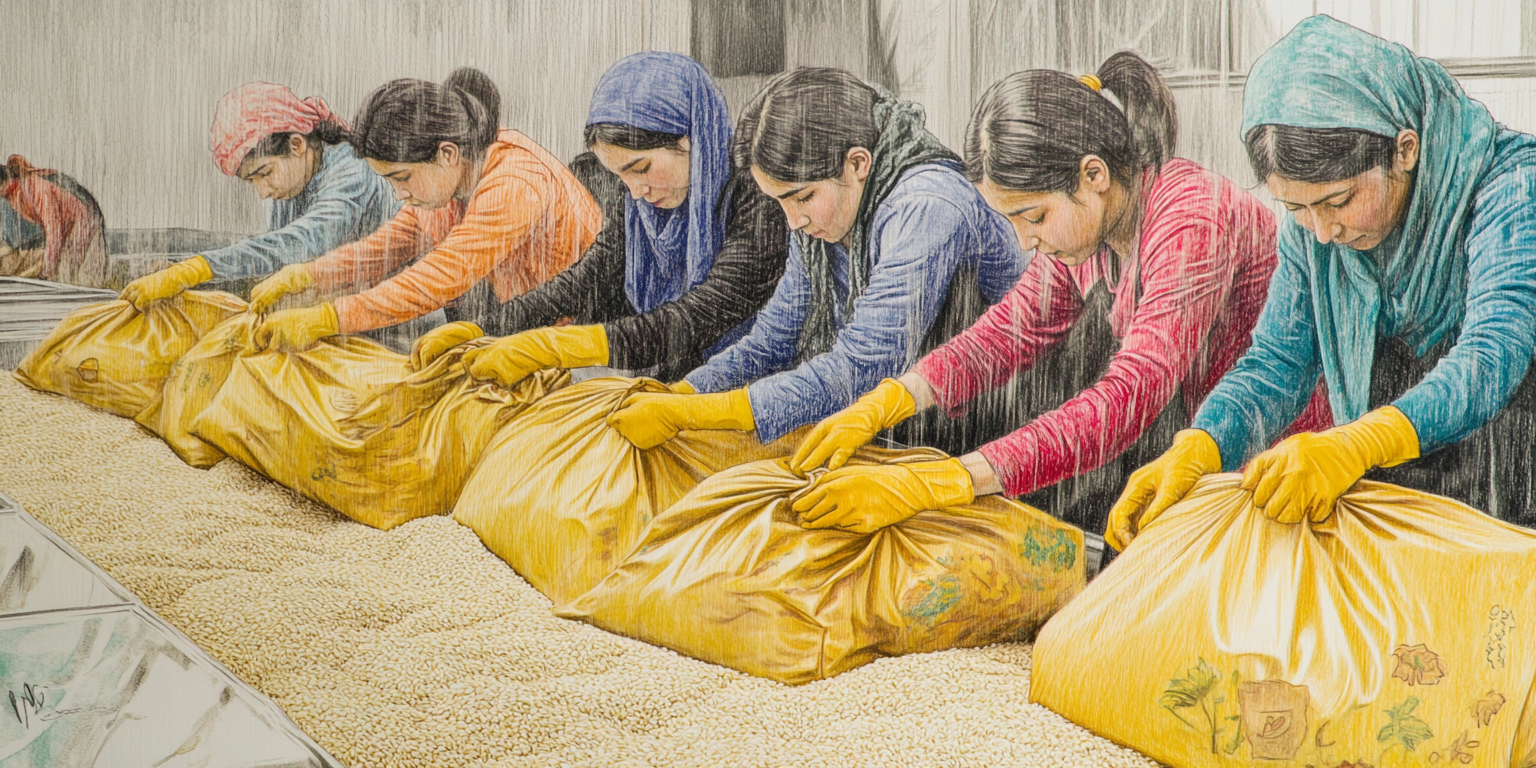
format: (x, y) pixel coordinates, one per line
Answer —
(405, 120)
(1031, 130)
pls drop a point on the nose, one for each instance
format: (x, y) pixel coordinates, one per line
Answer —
(637, 188)
(1326, 228)
(401, 193)
(796, 221)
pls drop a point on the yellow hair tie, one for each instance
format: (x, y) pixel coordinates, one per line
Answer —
(1092, 81)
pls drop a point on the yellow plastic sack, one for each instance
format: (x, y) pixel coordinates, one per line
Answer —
(729, 576)
(349, 424)
(562, 497)
(1399, 632)
(114, 357)
(191, 386)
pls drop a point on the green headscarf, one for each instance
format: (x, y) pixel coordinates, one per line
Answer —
(904, 142)
(1327, 74)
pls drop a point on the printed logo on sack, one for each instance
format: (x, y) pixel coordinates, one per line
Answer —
(89, 370)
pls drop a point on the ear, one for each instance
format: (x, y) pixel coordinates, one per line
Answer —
(857, 164)
(1406, 158)
(1093, 174)
(297, 144)
(448, 154)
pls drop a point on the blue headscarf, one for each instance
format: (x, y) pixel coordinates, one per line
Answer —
(668, 252)
(1327, 74)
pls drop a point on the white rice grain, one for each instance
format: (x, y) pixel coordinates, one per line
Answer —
(417, 647)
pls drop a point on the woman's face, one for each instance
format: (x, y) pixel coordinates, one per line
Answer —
(280, 177)
(431, 184)
(1067, 228)
(822, 209)
(1358, 212)
(657, 176)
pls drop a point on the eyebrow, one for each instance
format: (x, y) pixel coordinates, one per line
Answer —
(247, 176)
(1322, 199)
(791, 193)
(1021, 210)
(393, 174)
(632, 164)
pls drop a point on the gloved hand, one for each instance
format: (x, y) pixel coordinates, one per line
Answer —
(836, 437)
(294, 278)
(166, 283)
(1152, 489)
(864, 499)
(295, 330)
(435, 342)
(1303, 476)
(682, 388)
(515, 357)
(649, 419)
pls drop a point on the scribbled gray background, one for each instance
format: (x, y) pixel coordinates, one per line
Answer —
(119, 93)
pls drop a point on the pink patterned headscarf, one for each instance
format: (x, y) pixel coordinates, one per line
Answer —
(254, 111)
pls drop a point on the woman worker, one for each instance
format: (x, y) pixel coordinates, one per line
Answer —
(1153, 274)
(294, 153)
(883, 221)
(74, 248)
(695, 253)
(1407, 278)
(482, 204)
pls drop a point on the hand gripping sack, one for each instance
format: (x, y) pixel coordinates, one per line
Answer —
(191, 385)
(349, 424)
(562, 497)
(728, 575)
(114, 357)
(1399, 632)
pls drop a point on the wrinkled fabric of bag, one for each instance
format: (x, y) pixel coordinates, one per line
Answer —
(728, 575)
(349, 424)
(1399, 632)
(563, 497)
(191, 385)
(114, 357)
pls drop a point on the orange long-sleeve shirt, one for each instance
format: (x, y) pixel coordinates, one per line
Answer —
(527, 220)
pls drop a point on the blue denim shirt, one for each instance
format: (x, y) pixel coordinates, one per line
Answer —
(933, 224)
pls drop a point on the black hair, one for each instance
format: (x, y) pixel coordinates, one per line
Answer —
(1031, 130)
(325, 132)
(405, 120)
(801, 124)
(1316, 155)
(629, 137)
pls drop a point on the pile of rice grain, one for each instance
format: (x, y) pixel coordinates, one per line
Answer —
(417, 647)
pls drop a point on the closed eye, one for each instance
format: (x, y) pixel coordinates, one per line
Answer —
(807, 197)
(1036, 221)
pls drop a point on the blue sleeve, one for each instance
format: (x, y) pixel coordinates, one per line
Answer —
(1475, 379)
(771, 345)
(921, 243)
(1273, 381)
(345, 196)
(1003, 260)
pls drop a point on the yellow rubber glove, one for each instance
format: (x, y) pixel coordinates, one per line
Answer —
(295, 330)
(1303, 476)
(515, 357)
(166, 283)
(682, 388)
(649, 419)
(435, 342)
(836, 437)
(294, 278)
(1152, 489)
(864, 499)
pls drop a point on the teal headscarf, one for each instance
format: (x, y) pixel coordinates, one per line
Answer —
(1327, 74)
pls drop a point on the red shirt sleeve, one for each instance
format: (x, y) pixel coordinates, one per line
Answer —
(59, 213)
(1009, 337)
(1184, 281)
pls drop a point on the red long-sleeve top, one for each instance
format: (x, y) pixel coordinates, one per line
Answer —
(72, 229)
(1184, 306)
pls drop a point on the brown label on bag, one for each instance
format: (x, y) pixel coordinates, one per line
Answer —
(89, 370)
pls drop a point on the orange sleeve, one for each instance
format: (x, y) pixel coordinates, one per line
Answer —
(497, 221)
(367, 261)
